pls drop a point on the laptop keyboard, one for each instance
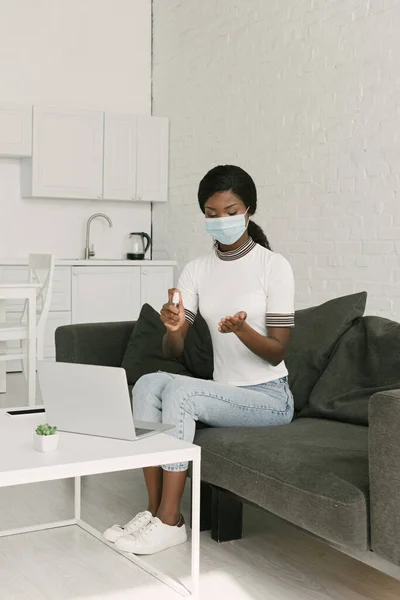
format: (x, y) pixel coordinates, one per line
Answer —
(140, 431)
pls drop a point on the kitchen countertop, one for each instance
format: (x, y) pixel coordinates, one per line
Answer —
(93, 262)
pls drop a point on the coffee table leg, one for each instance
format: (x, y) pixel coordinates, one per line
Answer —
(77, 498)
(195, 527)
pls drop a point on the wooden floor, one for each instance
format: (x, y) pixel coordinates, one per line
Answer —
(274, 561)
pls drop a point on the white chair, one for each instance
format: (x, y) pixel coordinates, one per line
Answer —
(41, 271)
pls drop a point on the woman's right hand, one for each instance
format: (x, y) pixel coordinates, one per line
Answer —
(173, 316)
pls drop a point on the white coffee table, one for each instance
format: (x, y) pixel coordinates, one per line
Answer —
(80, 455)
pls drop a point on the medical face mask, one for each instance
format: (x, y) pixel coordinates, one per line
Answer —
(227, 230)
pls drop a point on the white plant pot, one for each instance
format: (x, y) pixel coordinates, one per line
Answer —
(45, 443)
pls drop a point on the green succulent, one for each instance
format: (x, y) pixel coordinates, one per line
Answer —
(45, 430)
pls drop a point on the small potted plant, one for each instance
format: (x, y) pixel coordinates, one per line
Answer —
(45, 438)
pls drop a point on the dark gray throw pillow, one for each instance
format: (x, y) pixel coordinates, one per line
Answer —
(365, 361)
(316, 331)
(144, 353)
(198, 353)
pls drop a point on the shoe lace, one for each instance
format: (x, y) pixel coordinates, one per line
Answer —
(146, 529)
(133, 523)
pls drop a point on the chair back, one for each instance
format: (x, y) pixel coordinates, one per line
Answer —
(41, 270)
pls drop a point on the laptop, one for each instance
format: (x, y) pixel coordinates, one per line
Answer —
(91, 400)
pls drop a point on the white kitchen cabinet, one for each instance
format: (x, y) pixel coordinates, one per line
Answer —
(54, 319)
(152, 159)
(67, 155)
(135, 158)
(120, 154)
(15, 130)
(101, 294)
(91, 155)
(155, 283)
(61, 294)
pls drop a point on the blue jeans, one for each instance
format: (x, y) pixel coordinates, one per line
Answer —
(181, 401)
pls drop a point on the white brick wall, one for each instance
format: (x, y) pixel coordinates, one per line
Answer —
(305, 95)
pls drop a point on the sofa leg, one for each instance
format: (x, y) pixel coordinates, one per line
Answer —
(227, 516)
(205, 507)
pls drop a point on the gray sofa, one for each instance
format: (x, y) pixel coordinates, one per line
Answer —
(335, 470)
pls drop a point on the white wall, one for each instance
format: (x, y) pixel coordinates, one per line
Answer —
(304, 95)
(93, 54)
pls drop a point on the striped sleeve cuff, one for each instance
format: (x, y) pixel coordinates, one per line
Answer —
(190, 317)
(280, 320)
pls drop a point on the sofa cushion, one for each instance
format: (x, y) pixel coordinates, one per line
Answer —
(366, 360)
(144, 353)
(317, 330)
(198, 353)
(313, 472)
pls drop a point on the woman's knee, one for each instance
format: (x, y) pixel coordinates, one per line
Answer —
(146, 394)
(152, 383)
(177, 395)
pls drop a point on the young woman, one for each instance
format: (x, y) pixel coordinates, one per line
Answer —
(245, 292)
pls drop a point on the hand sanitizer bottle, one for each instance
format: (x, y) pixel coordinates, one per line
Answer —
(175, 299)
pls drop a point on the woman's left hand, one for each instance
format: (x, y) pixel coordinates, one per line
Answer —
(232, 324)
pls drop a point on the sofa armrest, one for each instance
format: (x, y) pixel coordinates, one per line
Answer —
(384, 474)
(93, 343)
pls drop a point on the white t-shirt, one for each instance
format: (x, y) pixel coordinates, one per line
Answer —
(252, 279)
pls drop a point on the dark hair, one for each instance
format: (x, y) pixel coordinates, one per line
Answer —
(231, 178)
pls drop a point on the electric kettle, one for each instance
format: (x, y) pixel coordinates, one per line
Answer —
(139, 243)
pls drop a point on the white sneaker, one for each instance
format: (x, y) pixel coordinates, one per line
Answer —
(155, 537)
(112, 534)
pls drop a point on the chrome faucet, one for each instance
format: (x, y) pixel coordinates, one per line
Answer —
(89, 251)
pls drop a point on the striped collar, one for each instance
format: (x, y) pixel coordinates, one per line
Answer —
(244, 249)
